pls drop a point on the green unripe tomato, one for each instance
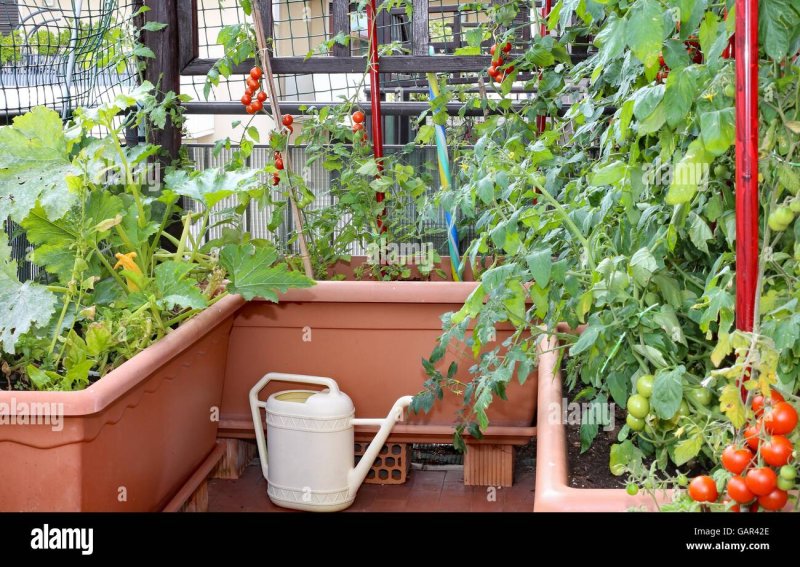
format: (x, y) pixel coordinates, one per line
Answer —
(721, 171)
(729, 91)
(632, 489)
(644, 385)
(634, 423)
(788, 472)
(638, 406)
(700, 396)
(684, 410)
(794, 206)
(780, 219)
(683, 480)
(785, 484)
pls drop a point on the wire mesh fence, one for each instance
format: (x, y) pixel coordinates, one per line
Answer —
(63, 54)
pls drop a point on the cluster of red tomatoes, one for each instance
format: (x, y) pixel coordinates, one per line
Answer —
(276, 177)
(755, 481)
(358, 123)
(495, 71)
(254, 97)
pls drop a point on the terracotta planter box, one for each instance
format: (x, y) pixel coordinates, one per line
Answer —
(370, 337)
(553, 492)
(131, 440)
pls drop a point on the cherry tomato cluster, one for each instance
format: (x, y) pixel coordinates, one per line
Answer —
(288, 120)
(763, 470)
(254, 97)
(358, 121)
(496, 71)
(276, 177)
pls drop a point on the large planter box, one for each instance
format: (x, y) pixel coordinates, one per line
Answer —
(553, 492)
(128, 442)
(370, 337)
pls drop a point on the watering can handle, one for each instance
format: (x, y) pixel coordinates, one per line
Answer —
(256, 404)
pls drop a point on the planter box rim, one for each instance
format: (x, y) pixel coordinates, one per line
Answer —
(380, 292)
(116, 383)
(553, 493)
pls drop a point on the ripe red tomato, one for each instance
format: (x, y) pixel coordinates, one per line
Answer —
(507, 47)
(262, 97)
(774, 501)
(751, 433)
(288, 119)
(777, 451)
(497, 62)
(781, 419)
(661, 61)
(276, 178)
(736, 460)
(249, 92)
(250, 109)
(761, 481)
(703, 489)
(279, 164)
(257, 105)
(256, 73)
(758, 401)
(738, 491)
(358, 117)
(492, 49)
(357, 127)
(492, 71)
(510, 69)
(246, 100)
(253, 84)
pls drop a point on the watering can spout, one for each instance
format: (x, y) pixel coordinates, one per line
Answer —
(359, 473)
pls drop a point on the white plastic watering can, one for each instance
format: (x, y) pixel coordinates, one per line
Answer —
(311, 443)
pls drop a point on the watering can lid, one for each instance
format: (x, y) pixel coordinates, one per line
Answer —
(311, 403)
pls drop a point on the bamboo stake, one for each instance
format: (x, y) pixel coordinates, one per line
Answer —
(269, 79)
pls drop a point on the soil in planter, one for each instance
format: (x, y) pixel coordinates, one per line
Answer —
(590, 469)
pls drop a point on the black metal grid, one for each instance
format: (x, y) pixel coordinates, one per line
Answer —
(63, 56)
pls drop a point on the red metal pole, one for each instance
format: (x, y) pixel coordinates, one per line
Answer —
(746, 54)
(375, 95)
(541, 121)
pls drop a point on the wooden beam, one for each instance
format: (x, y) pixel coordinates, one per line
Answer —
(419, 28)
(188, 42)
(341, 24)
(325, 64)
(163, 69)
(267, 24)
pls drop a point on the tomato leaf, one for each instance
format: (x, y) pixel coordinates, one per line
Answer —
(717, 128)
(645, 30)
(540, 263)
(679, 96)
(687, 449)
(667, 392)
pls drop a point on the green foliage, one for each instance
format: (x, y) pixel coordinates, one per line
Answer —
(98, 228)
(620, 217)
